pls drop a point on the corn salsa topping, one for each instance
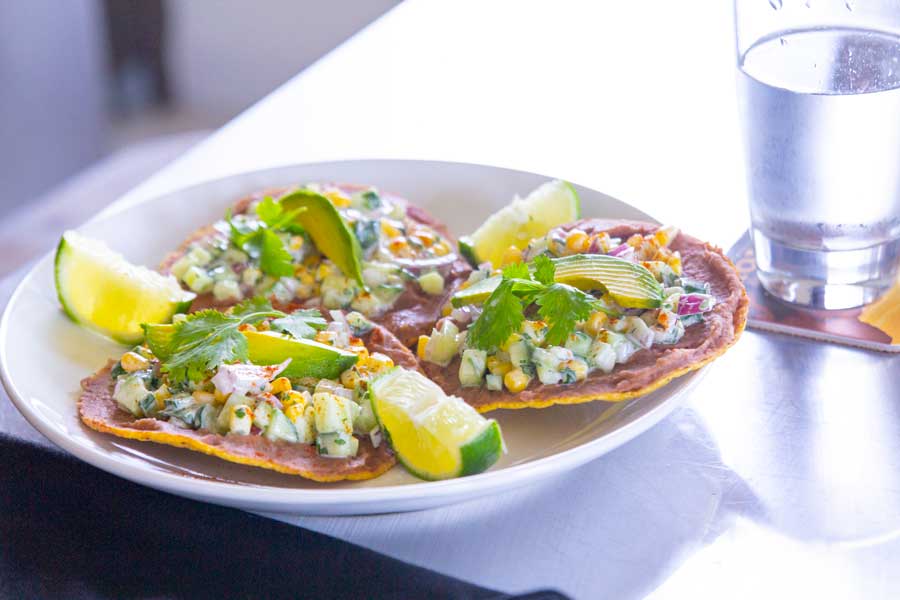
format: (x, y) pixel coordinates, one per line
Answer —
(238, 398)
(396, 251)
(533, 327)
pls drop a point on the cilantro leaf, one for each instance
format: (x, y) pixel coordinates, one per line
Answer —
(260, 240)
(502, 316)
(274, 216)
(561, 306)
(209, 338)
(274, 258)
(516, 271)
(251, 305)
(300, 323)
(544, 269)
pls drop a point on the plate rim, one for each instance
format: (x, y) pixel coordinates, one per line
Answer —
(421, 493)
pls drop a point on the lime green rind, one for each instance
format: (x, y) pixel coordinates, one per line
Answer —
(481, 453)
(57, 260)
(467, 250)
(576, 198)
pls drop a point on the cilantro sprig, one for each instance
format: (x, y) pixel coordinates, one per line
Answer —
(204, 340)
(561, 306)
(261, 240)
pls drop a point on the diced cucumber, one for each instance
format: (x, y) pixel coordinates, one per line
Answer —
(280, 428)
(262, 414)
(688, 320)
(198, 280)
(579, 343)
(472, 367)
(443, 344)
(337, 444)
(359, 325)
(365, 420)
(694, 286)
(222, 423)
(207, 418)
(547, 363)
(636, 330)
(520, 352)
(602, 356)
(129, 392)
(494, 383)
(332, 413)
(227, 289)
(241, 420)
(199, 257)
(304, 425)
(432, 283)
(670, 335)
(534, 331)
(148, 405)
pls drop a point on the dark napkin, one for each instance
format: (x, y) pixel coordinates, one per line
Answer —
(68, 530)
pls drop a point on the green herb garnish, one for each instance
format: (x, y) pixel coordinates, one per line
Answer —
(206, 339)
(261, 241)
(561, 306)
(300, 323)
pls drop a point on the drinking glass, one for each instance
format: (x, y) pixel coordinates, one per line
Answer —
(819, 93)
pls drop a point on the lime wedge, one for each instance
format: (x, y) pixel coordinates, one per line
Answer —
(101, 290)
(552, 204)
(435, 436)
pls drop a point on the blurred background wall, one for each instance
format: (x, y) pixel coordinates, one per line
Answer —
(81, 79)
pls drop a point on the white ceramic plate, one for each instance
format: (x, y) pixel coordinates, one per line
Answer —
(43, 355)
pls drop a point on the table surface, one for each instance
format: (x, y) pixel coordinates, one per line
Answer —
(779, 477)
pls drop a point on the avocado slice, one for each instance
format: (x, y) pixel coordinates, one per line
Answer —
(629, 284)
(328, 230)
(308, 358)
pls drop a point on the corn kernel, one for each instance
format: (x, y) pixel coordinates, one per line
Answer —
(512, 255)
(323, 271)
(426, 237)
(293, 397)
(497, 366)
(296, 242)
(446, 310)
(132, 361)
(440, 248)
(161, 395)
(595, 323)
(420, 349)
(516, 380)
(674, 262)
(579, 367)
(512, 339)
(203, 397)
(635, 240)
(294, 411)
(389, 230)
(397, 245)
(325, 337)
(577, 241)
(379, 361)
(282, 384)
(350, 378)
(337, 198)
(361, 351)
